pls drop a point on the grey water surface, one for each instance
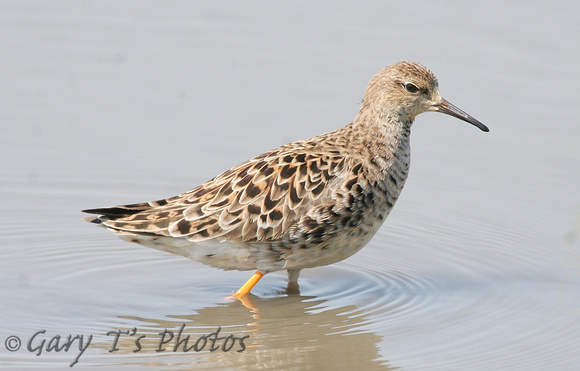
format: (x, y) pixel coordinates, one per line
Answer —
(108, 102)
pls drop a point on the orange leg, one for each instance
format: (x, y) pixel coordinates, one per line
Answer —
(249, 284)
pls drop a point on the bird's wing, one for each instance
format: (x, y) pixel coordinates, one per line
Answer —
(257, 200)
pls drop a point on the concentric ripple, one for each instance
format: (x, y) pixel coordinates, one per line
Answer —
(456, 292)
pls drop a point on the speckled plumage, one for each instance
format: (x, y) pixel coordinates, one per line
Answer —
(309, 203)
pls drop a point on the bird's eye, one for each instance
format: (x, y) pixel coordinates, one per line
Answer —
(411, 88)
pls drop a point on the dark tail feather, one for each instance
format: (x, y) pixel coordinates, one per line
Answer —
(115, 212)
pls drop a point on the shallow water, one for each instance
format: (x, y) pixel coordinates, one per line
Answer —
(477, 267)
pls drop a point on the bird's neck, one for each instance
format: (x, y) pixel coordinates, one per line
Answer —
(385, 139)
(387, 147)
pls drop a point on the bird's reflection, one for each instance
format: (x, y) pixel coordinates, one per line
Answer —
(281, 332)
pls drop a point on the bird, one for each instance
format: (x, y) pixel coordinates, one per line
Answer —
(309, 203)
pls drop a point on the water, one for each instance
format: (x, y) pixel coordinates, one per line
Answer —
(104, 103)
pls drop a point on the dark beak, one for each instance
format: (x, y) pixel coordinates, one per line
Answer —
(450, 109)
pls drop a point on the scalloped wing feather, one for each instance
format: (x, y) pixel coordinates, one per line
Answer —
(258, 200)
